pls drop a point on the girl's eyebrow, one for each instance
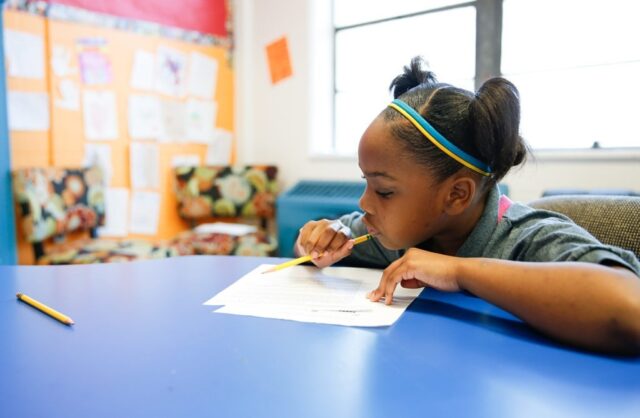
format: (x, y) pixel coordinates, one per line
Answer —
(378, 174)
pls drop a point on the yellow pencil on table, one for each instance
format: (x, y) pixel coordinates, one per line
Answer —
(306, 258)
(44, 308)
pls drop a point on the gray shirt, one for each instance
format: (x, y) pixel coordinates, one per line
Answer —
(523, 234)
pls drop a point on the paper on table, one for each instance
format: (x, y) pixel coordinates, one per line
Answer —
(334, 295)
(225, 228)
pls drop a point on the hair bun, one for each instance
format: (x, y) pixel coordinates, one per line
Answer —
(413, 75)
(496, 115)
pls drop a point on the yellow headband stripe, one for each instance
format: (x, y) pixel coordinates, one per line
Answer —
(438, 140)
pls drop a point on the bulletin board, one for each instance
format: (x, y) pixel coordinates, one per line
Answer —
(136, 104)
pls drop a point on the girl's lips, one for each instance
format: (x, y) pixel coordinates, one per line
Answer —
(371, 230)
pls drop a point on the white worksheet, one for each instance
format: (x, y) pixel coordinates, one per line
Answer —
(333, 295)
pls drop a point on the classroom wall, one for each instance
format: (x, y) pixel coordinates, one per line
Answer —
(65, 142)
(278, 123)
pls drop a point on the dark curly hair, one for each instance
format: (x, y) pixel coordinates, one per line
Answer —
(484, 125)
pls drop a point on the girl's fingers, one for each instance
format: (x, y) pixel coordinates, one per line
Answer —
(312, 245)
(331, 257)
(412, 284)
(386, 284)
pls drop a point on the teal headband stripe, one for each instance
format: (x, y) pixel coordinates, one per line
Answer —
(438, 140)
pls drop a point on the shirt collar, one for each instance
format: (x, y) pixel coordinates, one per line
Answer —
(476, 241)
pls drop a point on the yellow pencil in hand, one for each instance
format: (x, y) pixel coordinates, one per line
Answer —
(306, 258)
(44, 308)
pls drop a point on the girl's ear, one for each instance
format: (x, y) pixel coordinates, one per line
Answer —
(460, 195)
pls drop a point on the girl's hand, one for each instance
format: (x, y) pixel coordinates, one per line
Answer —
(418, 268)
(325, 240)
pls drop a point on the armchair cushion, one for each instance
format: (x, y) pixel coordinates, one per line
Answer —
(613, 220)
(56, 201)
(225, 191)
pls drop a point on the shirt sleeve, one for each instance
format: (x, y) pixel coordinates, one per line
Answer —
(546, 236)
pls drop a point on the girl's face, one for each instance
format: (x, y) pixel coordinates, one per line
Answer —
(402, 202)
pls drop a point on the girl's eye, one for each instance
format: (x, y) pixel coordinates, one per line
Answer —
(384, 195)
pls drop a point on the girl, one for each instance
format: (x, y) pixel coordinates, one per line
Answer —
(432, 160)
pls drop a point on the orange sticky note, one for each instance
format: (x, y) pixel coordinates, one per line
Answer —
(279, 60)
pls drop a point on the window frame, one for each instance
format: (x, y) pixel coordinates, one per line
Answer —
(489, 15)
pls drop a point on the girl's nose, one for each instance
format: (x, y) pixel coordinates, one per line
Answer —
(365, 202)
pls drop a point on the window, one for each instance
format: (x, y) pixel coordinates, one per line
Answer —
(577, 66)
(374, 39)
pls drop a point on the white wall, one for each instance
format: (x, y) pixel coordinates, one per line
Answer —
(278, 123)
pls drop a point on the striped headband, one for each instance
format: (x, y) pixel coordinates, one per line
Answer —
(438, 140)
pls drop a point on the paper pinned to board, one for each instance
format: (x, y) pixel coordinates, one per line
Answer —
(62, 61)
(171, 72)
(219, 148)
(279, 60)
(116, 213)
(145, 213)
(144, 116)
(95, 64)
(200, 120)
(24, 53)
(68, 95)
(185, 160)
(203, 74)
(28, 111)
(333, 295)
(100, 115)
(144, 165)
(173, 125)
(143, 70)
(100, 155)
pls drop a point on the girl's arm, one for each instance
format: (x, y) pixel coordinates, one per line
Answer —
(584, 304)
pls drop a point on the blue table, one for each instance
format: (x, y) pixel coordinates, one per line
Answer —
(145, 346)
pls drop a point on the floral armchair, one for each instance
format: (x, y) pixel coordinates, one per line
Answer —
(242, 193)
(54, 202)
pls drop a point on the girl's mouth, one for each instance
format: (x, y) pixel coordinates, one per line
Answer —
(371, 230)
